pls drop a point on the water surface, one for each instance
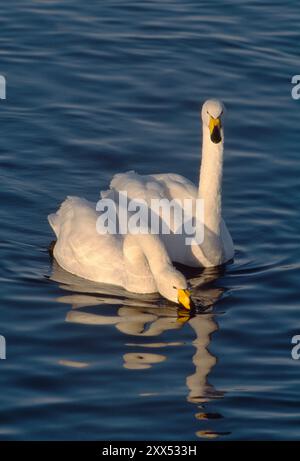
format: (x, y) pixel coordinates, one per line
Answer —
(95, 88)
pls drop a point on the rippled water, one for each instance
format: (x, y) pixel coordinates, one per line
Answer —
(95, 88)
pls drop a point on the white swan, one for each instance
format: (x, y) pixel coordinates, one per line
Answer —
(217, 247)
(138, 263)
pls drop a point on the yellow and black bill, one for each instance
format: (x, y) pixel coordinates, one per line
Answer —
(184, 299)
(215, 126)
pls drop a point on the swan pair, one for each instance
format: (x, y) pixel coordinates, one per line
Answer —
(142, 263)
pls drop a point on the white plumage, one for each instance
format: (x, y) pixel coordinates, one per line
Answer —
(142, 263)
(217, 247)
(138, 263)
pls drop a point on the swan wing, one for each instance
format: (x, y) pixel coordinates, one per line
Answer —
(80, 249)
(177, 186)
(156, 186)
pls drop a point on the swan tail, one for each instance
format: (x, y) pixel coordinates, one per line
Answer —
(53, 219)
(65, 210)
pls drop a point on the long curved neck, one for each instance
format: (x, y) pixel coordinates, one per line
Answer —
(210, 182)
(145, 257)
(155, 252)
(210, 190)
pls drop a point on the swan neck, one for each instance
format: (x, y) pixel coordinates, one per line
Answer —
(210, 183)
(146, 251)
(210, 191)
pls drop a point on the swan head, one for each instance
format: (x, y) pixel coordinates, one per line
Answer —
(212, 111)
(172, 285)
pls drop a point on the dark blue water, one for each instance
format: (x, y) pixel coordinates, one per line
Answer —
(95, 88)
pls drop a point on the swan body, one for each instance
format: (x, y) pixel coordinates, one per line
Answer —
(138, 263)
(172, 186)
(217, 247)
(142, 263)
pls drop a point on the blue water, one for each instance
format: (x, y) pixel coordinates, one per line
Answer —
(95, 88)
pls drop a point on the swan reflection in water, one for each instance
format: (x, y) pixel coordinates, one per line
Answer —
(150, 316)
